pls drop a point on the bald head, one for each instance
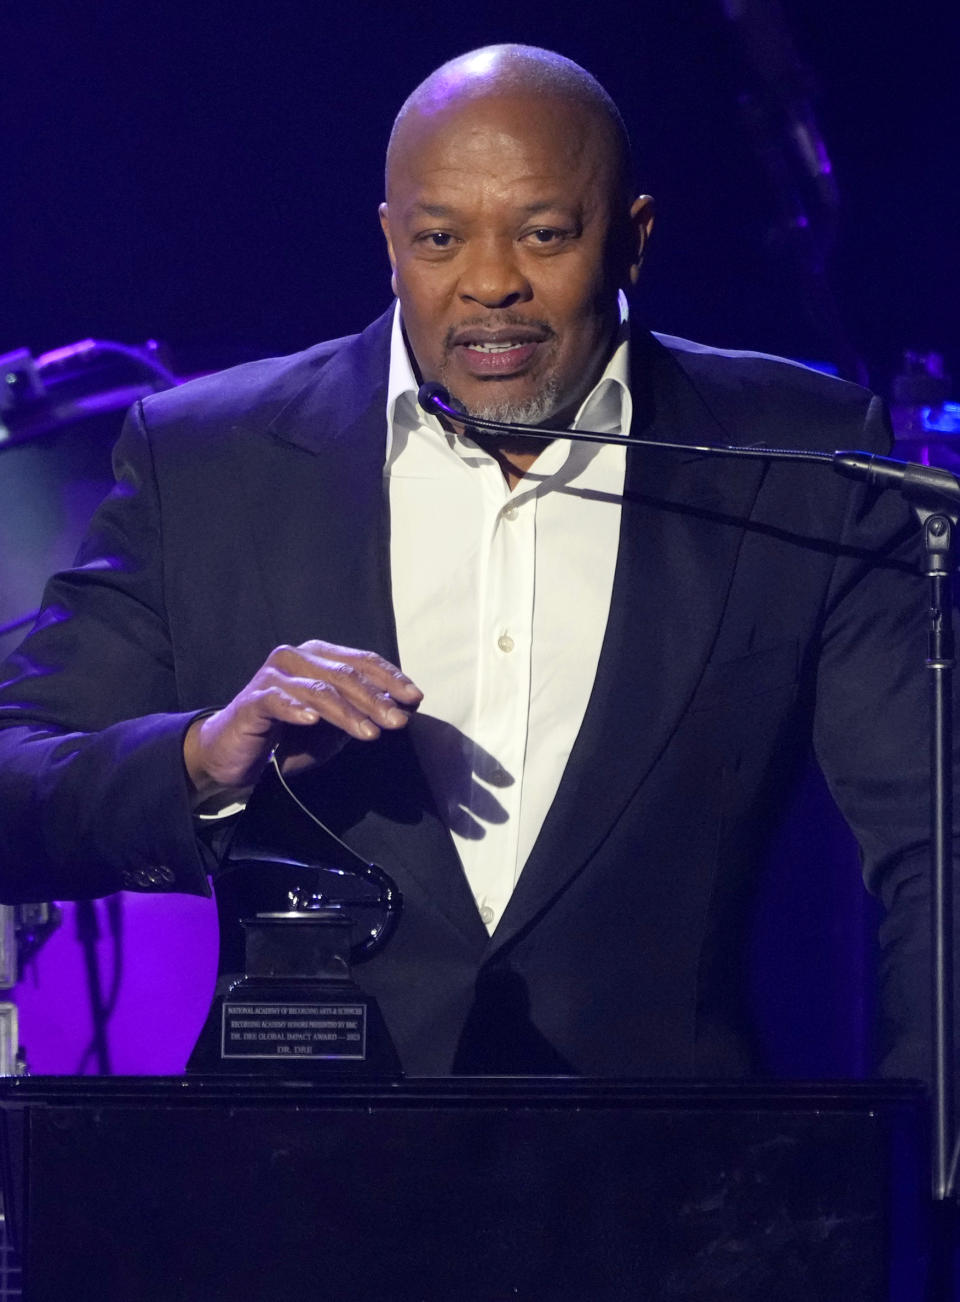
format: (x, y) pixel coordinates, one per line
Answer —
(516, 72)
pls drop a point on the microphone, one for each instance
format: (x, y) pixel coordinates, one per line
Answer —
(433, 397)
(912, 478)
(926, 485)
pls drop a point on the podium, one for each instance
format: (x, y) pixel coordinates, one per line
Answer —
(465, 1190)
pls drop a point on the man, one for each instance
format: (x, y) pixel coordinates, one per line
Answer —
(612, 659)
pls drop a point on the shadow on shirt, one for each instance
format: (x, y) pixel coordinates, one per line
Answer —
(460, 774)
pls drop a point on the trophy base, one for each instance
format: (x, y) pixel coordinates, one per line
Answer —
(295, 1028)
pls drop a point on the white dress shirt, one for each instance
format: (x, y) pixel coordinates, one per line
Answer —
(501, 600)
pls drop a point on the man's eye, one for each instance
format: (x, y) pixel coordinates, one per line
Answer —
(547, 235)
(437, 239)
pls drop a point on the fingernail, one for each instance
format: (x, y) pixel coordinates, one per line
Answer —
(368, 729)
(396, 718)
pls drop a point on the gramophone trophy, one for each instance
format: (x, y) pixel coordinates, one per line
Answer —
(309, 911)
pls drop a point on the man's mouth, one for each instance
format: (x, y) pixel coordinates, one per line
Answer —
(497, 353)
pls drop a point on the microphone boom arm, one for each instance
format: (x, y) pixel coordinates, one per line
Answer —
(925, 485)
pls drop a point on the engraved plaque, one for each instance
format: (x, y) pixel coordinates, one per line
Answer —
(293, 1031)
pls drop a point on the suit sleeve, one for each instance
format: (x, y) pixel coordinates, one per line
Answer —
(93, 792)
(872, 739)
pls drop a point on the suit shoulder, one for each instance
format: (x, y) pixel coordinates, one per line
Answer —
(743, 366)
(245, 396)
(758, 397)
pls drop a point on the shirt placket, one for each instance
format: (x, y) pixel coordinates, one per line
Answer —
(503, 691)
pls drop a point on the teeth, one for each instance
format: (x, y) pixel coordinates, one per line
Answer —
(493, 348)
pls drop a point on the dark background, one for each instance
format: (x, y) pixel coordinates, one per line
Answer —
(208, 174)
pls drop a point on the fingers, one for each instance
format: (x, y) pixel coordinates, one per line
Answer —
(371, 667)
(358, 693)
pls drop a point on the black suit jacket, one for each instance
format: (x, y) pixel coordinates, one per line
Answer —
(756, 608)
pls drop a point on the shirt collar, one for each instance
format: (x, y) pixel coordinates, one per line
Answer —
(608, 407)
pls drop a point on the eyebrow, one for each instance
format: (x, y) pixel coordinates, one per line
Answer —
(432, 209)
(529, 210)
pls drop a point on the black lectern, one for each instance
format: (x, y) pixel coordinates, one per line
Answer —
(463, 1190)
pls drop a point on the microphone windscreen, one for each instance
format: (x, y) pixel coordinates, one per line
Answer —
(429, 394)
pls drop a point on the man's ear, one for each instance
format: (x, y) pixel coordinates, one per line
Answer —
(641, 224)
(385, 227)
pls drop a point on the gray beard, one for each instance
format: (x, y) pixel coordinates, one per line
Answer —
(531, 411)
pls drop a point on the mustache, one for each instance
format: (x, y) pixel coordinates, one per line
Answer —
(498, 321)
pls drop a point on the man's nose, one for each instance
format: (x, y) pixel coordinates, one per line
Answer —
(492, 276)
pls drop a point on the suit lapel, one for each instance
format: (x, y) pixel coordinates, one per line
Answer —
(681, 530)
(320, 530)
(319, 518)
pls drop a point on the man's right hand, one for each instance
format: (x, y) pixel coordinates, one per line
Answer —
(332, 693)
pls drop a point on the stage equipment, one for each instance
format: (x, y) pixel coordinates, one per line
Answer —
(59, 418)
(23, 930)
(66, 384)
(925, 423)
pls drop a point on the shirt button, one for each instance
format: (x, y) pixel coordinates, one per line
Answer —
(510, 513)
(505, 642)
(486, 915)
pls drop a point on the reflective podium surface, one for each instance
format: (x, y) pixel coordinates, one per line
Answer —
(465, 1190)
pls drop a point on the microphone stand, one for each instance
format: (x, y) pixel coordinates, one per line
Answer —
(939, 564)
(934, 495)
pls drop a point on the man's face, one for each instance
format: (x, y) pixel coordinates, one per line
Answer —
(507, 251)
